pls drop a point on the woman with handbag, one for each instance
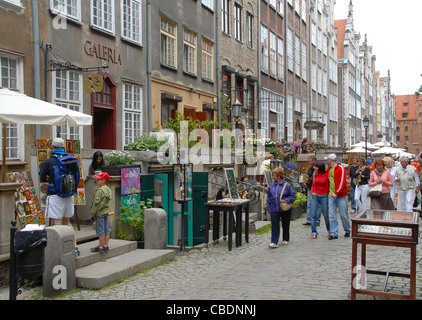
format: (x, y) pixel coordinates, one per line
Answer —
(362, 176)
(280, 200)
(381, 176)
(319, 191)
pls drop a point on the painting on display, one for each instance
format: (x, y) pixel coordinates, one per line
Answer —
(268, 177)
(231, 183)
(26, 200)
(73, 147)
(130, 187)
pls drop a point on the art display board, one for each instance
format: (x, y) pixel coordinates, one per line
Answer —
(26, 200)
(231, 183)
(268, 177)
(130, 186)
(72, 147)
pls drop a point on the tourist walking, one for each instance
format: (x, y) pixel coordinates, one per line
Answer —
(351, 175)
(389, 164)
(337, 198)
(407, 184)
(362, 175)
(381, 175)
(320, 189)
(310, 173)
(278, 192)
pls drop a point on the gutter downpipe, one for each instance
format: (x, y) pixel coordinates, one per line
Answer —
(36, 48)
(149, 66)
(218, 62)
(259, 70)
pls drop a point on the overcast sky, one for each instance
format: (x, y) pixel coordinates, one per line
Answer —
(393, 29)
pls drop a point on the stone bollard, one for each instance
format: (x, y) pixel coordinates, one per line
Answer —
(59, 272)
(155, 229)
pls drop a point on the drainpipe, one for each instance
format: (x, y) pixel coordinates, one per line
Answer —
(36, 46)
(218, 62)
(258, 95)
(286, 71)
(149, 66)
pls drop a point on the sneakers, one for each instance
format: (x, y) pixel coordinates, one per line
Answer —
(100, 249)
(331, 237)
(347, 235)
(77, 252)
(285, 243)
(273, 245)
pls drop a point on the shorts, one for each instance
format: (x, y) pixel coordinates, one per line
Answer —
(102, 225)
(59, 208)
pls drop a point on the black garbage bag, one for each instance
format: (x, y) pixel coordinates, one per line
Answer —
(27, 240)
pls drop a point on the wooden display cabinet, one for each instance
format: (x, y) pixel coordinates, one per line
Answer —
(384, 228)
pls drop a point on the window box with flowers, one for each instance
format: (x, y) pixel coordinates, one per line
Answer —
(116, 160)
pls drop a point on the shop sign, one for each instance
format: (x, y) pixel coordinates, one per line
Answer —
(102, 52)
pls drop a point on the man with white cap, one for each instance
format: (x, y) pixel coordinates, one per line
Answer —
(337, 197)
(58, 209)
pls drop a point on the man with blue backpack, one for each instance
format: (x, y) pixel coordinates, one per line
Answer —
(61, 171)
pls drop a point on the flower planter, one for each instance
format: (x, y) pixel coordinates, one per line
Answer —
(116, 170)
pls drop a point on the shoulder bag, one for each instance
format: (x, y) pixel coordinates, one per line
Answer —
(284, 205)
(375, 191)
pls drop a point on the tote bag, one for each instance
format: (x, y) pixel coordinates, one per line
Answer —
(284, 205)
(375, 191)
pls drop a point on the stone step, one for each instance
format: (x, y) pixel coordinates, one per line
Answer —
(101, 274)
(117, 247)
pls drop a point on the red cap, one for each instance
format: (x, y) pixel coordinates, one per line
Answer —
(102, 175)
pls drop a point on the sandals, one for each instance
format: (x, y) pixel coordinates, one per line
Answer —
(314, 236)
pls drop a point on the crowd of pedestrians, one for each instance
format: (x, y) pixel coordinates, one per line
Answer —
(328, 191)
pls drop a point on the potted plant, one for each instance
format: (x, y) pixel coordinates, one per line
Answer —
(299, 205)
(147, 147)
(116, 160)
(132, 225)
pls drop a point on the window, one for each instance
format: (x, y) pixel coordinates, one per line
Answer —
(225, 16)
(168, 43)
(67, 93)
(297, 55)
(304, 11)
(263, 115)
(280, 58)
(13, 5)
(273, 3)
(290, 49)
(70, 8)
(11, 77)
(404, 115)
(207, 58)
(132, 113)
(264, 48)
(313, 33)
(280, 119)
(304, 62)
(280, 6)
(273, 54)
(131, 20)
(313, 75)
(238, 22)
(189, 51)
(406, 128)
(102, 14)
(208, 3)
(250, 29)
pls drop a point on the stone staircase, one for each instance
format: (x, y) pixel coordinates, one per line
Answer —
(95, 270)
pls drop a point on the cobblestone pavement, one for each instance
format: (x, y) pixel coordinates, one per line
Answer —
(304, 269)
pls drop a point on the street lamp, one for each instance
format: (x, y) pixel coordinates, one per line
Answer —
(366, 125)
(236, 113)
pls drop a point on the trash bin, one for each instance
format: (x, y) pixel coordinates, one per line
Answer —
(29, 248)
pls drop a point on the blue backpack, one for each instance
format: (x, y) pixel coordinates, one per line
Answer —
(66, 177)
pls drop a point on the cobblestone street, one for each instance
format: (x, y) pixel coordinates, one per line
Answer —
(304, 269)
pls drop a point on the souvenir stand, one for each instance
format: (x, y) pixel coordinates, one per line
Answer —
(232, 209)
(383, 228)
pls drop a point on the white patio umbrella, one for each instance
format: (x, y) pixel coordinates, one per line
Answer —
(17, 107)
(386, 150)
(362, 145)
(359, 150)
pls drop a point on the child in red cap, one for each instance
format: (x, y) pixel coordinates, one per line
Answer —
(100, 210)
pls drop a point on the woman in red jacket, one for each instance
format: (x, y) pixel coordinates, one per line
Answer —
(319, 191)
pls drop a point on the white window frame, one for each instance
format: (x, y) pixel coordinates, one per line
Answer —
(280, 7)
(62, 9)
(273, 54)
(132, 108)
(280, 58)
(168, 58)
(225, 16)
(101, 26)
(133, 21)
(304, 62)
(209, 4)
(13, 5)
(289, 49)
(264, 49)
(66, 101)
(238, 22)
(208, 49)
(297, 55)
(189, 51)
(264, 113)
(18, 130)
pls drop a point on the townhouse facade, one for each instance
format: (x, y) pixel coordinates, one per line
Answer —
(409, 122)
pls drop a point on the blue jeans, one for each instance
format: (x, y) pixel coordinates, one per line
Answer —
(309, 210)
(102, 225)
(352, 198)
(341, 204)
(317, 204)
(275, 225)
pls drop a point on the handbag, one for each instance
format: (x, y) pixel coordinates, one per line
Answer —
(284, 205)
(375, 191)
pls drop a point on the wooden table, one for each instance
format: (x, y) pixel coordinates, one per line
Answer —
(232, 210)
(384, 228)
